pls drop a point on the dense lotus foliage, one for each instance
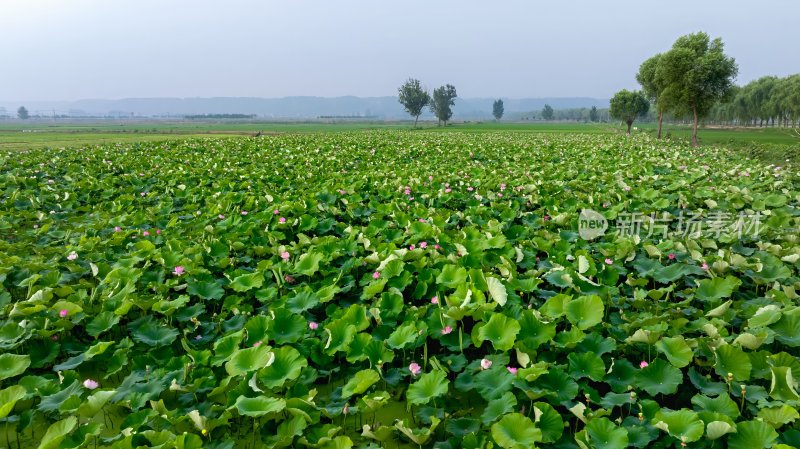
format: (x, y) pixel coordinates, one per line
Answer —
(396, 290)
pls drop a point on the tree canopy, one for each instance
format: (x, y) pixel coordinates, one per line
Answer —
(413, 98)
(498, 109)
(627, 105)
(653, 86)
(442, 102)
(547, 112)
(22, 113)
(696, 73)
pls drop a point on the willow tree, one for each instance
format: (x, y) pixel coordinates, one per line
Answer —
(627, 105)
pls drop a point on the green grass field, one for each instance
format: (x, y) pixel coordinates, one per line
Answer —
(42, 134)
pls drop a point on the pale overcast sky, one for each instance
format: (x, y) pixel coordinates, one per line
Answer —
(74, 49)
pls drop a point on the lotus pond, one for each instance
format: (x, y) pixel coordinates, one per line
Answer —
(398, 290)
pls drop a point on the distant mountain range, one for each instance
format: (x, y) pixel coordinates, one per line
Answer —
(383, 108)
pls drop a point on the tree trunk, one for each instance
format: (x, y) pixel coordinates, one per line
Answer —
(694, 127)
(415, 121)
(629, 122)
(660, 121)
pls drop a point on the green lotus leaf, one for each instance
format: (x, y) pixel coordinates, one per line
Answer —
(404, 335)
(783, 384)
(498, 407)
(717, 429)
(603, 434)
(676, 350)
(340, 335)
(497, 290)
(676, 271)
(549, 421)
(244, 361)
(534, 333)
(302, 301)
(460, 427)
(259, 406)
(285, 366)
(493, 382)
(429, 386)
(500, 330)
(730, 359)
(102, 322)
(246, 282)
(659, 377)
(787, 329)
(225, 347)
(205, 289)
(94, 403)
(13, 365)
(586, 364)
(257, 328)
(751, 434)
(147, 331)
(286, 327)
(722, 404)
(585, 312)
(554, 306)
(716, 288)
(685, 425)
(719, 310)
(765, 316)
(308, 263)
(452, 276)
(9, 397)
(419, 436)
(360, 382)
(559, 385)
(57, 432)
(779, 416)
(516, 431)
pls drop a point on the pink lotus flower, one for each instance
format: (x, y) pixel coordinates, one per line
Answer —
(502, 187)
(430, 178)
(117, 229)
(423, 245)
(376, 275)
(179, 270)
(546, 217)
(671, 256)
(437, 247)
(158, 231)
(244, 212)
(627, 189)
(90, 384)
(470, 189)
(499, 195)
(143, 194)
(447, 330)
(512, 370)
(198, 337)
(54, 337)
(285, 255)
(282, 220)
(255, 345)
(276, 212)
(221, 217)
(486, 363)
(704, 266)
(414, 368)
(63, 313)
(421, 220)
(313, 325)
(72, 256)
(411, 247)
(146, 233)
(342, 192)
(643, 364)
(288, 278)
(407, 192)
(435, 300)
(609, 261)
(448, 190)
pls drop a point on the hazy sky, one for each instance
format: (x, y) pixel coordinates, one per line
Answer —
(73, 49)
